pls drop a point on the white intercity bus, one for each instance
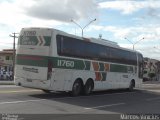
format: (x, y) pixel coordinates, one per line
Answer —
(52, 60)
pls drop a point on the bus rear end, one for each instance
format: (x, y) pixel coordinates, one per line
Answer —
(32, 68)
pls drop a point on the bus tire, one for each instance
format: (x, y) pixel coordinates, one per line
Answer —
(88, 87)
(132, 85)
(46, 91)
(76, 88)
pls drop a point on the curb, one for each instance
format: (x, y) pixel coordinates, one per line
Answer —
(151, 82)
(6, 82)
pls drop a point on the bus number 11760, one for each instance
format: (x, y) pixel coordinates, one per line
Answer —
(65, 63)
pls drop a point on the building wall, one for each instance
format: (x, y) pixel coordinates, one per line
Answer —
(6, 60)
(151, 66)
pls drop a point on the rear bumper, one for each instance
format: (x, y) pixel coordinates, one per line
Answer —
(38, 84)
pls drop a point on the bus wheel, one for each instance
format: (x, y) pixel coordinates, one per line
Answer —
(46, 91)
(132, 85)
(88, 87)
(77, 88)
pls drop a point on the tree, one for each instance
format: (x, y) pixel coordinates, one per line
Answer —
(151, 75)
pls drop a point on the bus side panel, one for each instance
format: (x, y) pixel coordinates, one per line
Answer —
(57, 79)
(63, 79)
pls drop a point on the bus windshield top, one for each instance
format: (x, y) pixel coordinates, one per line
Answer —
(32, 38)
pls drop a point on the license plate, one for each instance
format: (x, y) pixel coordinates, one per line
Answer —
(29, 80)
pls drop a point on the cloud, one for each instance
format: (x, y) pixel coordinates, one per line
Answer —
(13, 19)
(17, 14)
(147, 50)
(129, 6)
(149, 32)
(61, 10)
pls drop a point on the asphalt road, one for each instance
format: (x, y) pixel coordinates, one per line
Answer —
(17, 100)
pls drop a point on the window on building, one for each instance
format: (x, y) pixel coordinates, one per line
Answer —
(7, 57)
(11, 57)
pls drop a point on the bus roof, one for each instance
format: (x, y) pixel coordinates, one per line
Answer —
(94, 40)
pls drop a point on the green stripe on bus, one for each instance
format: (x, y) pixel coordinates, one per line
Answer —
(33, 40)
(28, 40)
(101, 66)
(32, 60)
(47, 40)
(104, 75)
(118, 68)
(66, 63)
(42, 61)
(121, 68)
(87, 64)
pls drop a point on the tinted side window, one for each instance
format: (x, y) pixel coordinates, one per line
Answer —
(67, 46)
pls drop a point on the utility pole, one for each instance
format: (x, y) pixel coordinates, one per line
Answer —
(14, 50)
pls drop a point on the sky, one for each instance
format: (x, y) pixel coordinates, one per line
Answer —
(127, 22)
